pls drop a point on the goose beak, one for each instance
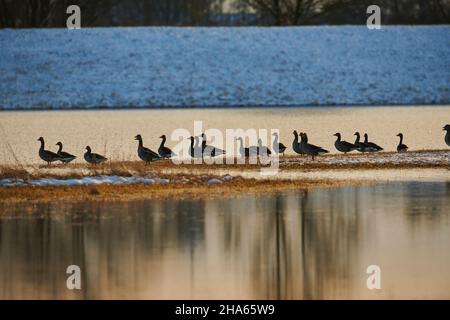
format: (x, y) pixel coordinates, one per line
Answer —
(335, 134)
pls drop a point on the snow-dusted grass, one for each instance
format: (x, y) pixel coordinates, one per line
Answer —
(155, 67)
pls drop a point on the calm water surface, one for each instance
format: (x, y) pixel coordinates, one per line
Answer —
(299, 245)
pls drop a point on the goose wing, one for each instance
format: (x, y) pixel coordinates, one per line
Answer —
(149, 152)
(165, 152)
(348, 145)
(48, 155)
(318, 149)
(374, 146)
(66, 155)
(98, 158)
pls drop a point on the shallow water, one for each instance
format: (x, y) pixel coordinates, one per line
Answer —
(299, 245)
(111, 132)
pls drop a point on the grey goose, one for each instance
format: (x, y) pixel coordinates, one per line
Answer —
(144, 153)
(263, 150)
(277, 146)
(195, 151)
(245, 152)
(343, 146)
(296, 146)
(163, 151)
(361, 146)
(311, 149)
(65, 156)
(93, 158)
(47, 155)
(208, 150)
(401, 146)
(373, 147)
(447, 135)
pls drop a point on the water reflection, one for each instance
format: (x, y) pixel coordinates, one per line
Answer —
(299, 245)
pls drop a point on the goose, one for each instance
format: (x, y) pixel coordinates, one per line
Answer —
(311, 149)
(163, 151)
(245, 152)
(401, 147)
(296, 146)
(93, 158)
(253, 150)
(447, 135)
(373, 147)
(145, 154)
(65, 156)
(263, 150)
(361, 146)
(210, 151)
(195, 151)
(47, 155)
(277, 146)
(343, 146)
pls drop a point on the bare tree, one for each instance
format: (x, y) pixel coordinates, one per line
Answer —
(295, 12)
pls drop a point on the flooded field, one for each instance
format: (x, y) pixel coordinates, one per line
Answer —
(299, 245)
(111, 132)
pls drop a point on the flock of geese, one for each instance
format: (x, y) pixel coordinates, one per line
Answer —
(197, 150)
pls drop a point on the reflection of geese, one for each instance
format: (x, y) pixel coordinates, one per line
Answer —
(145, 154)
(343, 146)
(277, 146)
(401, 147)
(210, 151)
(163, 151)
(93, 158)
(296, 146)
(245, 152)
(447, 135)
(311, 149)
(65, 156)
(372, 147)
(263, 150)
(195, 151)
(47, 155)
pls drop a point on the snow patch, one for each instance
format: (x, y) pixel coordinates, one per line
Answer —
(94, 180)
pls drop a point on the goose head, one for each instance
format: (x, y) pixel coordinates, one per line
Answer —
(400, 135)
(295, 133)
(163, 136)
(138, 137)
(275, 134)
(59, 144)
(356, 134)
(304, 136)
(88, 149)
(446, 128)
(40, 139)
(337, 134)
(366, 137)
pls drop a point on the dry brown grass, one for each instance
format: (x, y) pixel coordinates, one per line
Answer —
(14, 172)
(236, 187)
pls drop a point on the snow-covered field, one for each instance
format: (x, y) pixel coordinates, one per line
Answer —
(156, 67)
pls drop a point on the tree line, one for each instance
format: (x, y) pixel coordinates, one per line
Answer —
(52, 13)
